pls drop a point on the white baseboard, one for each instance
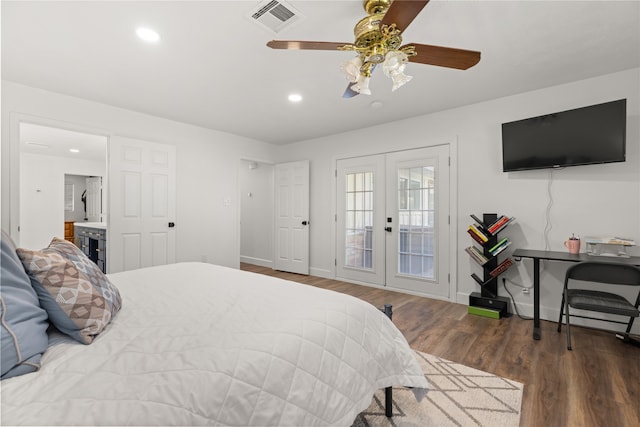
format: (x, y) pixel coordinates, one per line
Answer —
(257, 261)
(317, 272)
(321, 272)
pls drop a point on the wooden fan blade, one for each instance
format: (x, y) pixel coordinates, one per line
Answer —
(445, 56)
(297, 45)
(403, 12)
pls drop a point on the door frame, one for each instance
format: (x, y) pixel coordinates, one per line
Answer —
(454, 295)
(14, 182)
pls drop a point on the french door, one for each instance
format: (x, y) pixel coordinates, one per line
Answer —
(393, 220)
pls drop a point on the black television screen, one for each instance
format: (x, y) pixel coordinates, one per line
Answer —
(583, 136)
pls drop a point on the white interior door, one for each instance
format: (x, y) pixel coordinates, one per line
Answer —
(142, 208)
(292, 217)
(393, 220)
(94, 198)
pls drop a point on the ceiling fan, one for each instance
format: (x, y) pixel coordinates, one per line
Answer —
(378, 40)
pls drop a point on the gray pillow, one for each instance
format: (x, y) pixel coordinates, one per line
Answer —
(24, 323)
(79, 298)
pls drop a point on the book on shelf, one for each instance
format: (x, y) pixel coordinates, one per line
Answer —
(504, 224)
(480, 234)
(609, 240)
(500, 248)
(499, 224)
(479, 254)
(501, 268)
(497, 245)
(476, 255)
(475, 237)
(498, 220)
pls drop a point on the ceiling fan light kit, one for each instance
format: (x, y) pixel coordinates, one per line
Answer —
(393, 67)
(378, 40)
(375, 44)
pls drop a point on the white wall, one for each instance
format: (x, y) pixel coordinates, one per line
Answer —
(256, 212)
(594, 200)
(42, 190)
(207, 164)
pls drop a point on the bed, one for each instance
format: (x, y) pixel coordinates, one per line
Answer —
(201, 344)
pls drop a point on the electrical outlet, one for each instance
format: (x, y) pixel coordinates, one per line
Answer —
(525, 291)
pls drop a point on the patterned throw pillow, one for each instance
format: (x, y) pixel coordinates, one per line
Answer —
(78, 297)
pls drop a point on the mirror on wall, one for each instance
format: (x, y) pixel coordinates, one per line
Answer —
(61, 172)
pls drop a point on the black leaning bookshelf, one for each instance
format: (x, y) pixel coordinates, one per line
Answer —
(485, 252)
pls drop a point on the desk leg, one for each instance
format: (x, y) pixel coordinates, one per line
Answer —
(536, 298)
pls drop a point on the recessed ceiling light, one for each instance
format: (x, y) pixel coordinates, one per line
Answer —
(376, 104)
(148, 35)
(295, 97)
(74, 150)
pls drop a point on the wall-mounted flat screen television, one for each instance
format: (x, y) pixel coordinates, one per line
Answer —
(583, 136)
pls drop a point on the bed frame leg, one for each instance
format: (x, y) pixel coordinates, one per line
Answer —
(388, 392)
(388, 402)
(388, 310)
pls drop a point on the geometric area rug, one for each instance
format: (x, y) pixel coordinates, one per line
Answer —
(458, 396)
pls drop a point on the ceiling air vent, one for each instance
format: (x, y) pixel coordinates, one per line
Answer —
(274, 15)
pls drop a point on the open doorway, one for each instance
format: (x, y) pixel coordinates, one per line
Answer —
(48, 200)
(255, 181)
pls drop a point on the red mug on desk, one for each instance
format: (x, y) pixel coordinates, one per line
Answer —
(573, 244)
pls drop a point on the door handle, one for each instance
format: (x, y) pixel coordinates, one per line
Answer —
(172, 224)
(388, 229)
(305, 222)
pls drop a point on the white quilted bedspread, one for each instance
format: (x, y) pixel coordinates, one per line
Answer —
(200, 344)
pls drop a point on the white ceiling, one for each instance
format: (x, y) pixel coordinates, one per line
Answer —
(212, 68)
(48, 141)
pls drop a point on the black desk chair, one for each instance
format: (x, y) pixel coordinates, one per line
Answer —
(607, 274)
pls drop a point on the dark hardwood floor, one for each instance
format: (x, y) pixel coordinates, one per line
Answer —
(596, 384)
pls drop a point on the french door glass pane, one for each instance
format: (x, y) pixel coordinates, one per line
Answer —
(359, 220)
(416, 207)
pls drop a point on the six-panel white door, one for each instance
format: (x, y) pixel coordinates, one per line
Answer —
(292, 217)
(142, 198)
